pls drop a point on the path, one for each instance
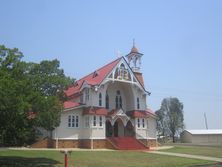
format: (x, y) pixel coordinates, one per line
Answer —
(187, 156)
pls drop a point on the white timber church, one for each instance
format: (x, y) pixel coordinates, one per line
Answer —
(108, 109)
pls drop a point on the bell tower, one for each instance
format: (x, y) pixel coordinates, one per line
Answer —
(134, 58)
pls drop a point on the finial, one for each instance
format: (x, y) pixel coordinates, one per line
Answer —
(133, 42)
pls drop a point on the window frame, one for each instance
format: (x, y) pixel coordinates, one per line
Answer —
(138, 122)
(87, 94)
(143, 123)
(118, 100)
(100, 121)
(73, 121)
(100, 99)
(138, 102)
(94, 121)
(107, 101)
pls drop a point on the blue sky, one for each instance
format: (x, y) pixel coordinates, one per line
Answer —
(181, 42)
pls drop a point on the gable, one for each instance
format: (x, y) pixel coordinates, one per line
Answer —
(123, 73)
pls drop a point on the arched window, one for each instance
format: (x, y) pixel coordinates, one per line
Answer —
(107, 101)
(118, 99)
(100, 99)
(138, 103)
(117, 104)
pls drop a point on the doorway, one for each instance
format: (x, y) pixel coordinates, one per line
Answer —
(118, 128)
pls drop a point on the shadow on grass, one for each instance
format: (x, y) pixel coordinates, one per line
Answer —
(10, 161)
(210, 165)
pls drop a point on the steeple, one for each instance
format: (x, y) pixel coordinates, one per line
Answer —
(134, 58)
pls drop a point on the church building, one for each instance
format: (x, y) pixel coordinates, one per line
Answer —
(108, 109)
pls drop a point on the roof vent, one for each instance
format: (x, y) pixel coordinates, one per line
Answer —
(95, 74)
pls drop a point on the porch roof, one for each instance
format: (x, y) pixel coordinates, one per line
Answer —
(141, 113)
(95, 111)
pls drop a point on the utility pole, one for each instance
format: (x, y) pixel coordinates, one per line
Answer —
(205, 118)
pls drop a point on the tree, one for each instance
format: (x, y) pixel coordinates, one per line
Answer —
(50, 82)
(25, 87)
(170, 117)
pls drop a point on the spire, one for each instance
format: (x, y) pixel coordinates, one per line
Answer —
(134, 49)
(134, 58)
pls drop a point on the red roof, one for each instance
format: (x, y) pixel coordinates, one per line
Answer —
(141, 113)
(93, 79)
(113, 112)
(139, 77)
(95, 111)
(149, 111)
(70, 104)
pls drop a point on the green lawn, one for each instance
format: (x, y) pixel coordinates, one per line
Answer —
(30, 158)
(211, 151)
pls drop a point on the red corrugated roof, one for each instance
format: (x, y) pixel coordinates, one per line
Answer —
(141, 113)
(95, 111)
(149, 111)
(70, 104)
(92, 79)
(139, 77)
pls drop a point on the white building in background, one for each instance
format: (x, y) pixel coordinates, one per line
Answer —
(202, 136)
(107, 104)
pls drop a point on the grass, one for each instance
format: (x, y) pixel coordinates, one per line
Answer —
(211, 151)
(32, 158)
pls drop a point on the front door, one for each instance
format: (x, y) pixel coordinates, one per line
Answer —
(118, 128)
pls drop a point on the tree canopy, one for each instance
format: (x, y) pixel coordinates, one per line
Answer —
(170, 117)
(27, 87)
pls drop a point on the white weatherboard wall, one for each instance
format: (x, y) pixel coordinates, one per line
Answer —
(151, 123)
(65, 132)
(81, 132)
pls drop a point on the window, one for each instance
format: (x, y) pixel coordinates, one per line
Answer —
(120, 102)
(100, 99)
(118, 99)
(138, 103)
(138, 122)
(143, 123)
(107, 101)
(86, 121)
(117, 103)
(94, 120)
(73, 121)
(77, 121)
(69, 121)
(87, 95)
(100, 121)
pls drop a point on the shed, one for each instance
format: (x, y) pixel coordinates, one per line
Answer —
(209, 136)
